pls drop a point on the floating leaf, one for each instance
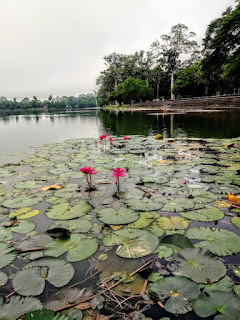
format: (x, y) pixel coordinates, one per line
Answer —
(198, 266)
(225, 285)
(21, 202)
(66, 296)
(23, 213)
(30, 280)
(17, 306)
(44, 315)
(223, 304)
(145, 219)
(206, 215)
(219, 241)
(163, 252)
(143, 205)
(236, 271)
(64, 211)
(52, 187)
(180, 292)
(176, 242)
(176, 204)
(235, 221)
(153, 227)
(133, 243)
(77, 246)
(3, 278)
(154, 276)
(7, 254)
(23, 227)
(74, 225)
(117, 217)
(29, 184)
(173, 223)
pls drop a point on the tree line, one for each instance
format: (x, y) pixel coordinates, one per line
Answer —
(82, 101)
(174, 65)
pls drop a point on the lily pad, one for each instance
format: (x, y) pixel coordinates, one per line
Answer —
(176, 204)
(176, 242)
(173, 223)
(74, 225)
(3, 278)
(180, 293)
(44, 315)
(224, 305)
(23, 213)
(21, 202)
(17, 306)
(64, 211)
(116, 217)
(225, 285)
(206, 215)
(143, 205)
(198, 266)
(219, 241)
(163, 252)
(235, 221)
(153, 227)
(145, 219)
(29, 184)
(133, 243)
(30, 280)
(77, 246)
(7, 254)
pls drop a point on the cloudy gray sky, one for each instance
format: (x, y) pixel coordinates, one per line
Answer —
(57, 46)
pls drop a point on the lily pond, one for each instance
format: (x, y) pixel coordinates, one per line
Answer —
(164, 246)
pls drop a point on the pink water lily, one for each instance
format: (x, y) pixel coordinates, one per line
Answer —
(111, 139)
(117, 173)
(125, 138)
(88, 171)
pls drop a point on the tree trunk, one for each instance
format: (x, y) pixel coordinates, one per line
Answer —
(147, 82)
(172, 84)
(157, 91)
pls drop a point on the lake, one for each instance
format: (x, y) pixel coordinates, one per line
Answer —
(19, 131)
(173, 191)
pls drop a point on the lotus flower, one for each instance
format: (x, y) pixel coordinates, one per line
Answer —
(125, 138)
(88, 171)
(118, 172)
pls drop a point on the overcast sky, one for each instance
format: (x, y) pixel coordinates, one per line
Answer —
(57, 46)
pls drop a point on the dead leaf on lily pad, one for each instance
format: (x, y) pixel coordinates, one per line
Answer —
(52, 187)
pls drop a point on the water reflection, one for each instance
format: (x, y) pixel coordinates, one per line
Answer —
(20, 130)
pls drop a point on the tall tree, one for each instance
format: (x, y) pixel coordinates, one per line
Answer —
(170, 47)
(221, 51)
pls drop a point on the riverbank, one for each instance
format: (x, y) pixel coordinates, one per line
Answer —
(198, 104)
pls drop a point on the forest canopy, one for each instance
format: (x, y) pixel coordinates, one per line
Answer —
(175, 65)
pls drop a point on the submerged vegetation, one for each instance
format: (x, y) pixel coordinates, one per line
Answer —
(167, 240)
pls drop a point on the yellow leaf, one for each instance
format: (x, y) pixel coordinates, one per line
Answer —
(52, 187)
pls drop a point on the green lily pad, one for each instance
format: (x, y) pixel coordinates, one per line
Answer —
(3, 278)
(153, 227)
(77, 246)
(115, 217)
(222, 304)
(44, 315)
(74, 225)
(236, 271)
(145, 219)
(30, 280)
(17, 306)
(133, 243)
(180, 293)
(21, 202)
(206, 215)
(143, 205)
(225, 285)
(176, 242)
(219, 241)
(236, 289)
(176, 204)
(7, 254)
(64, 211)
(235, 221)
(163, 252)
(198, 266)
(173, 223)
(29, 184)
